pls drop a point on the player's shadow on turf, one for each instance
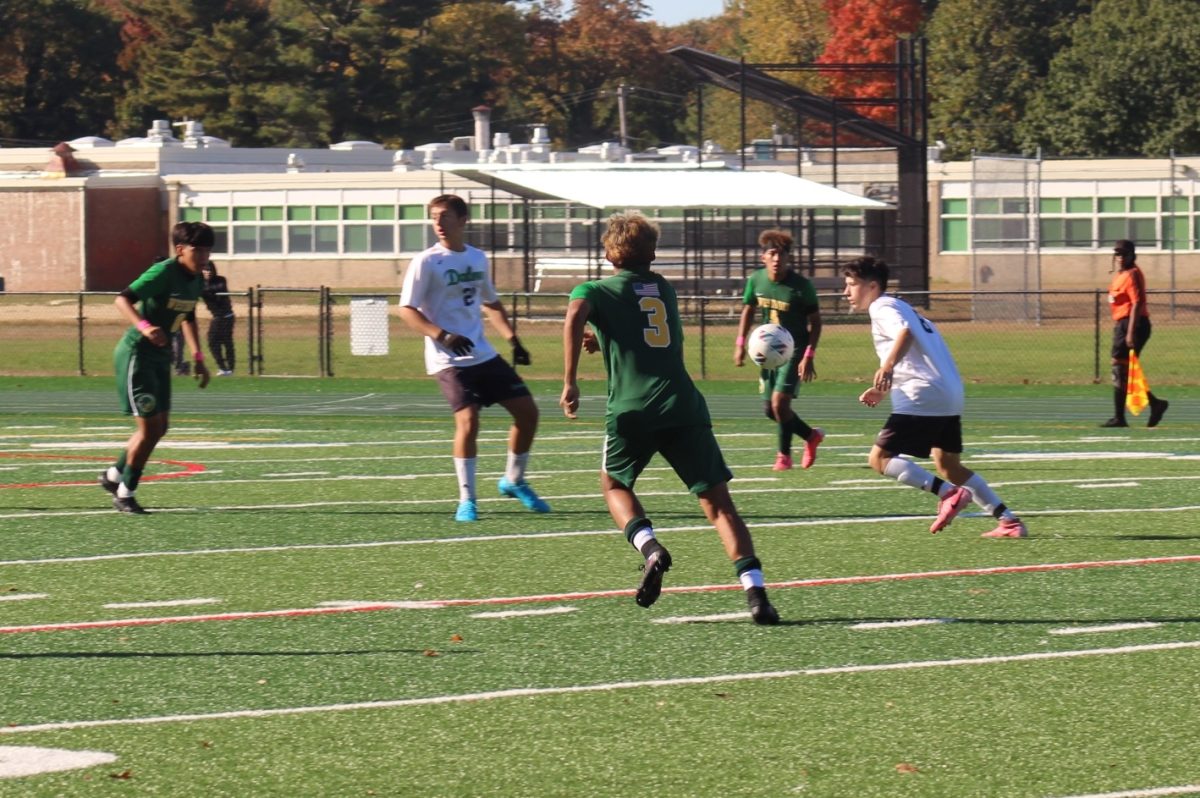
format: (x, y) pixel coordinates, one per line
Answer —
(1156, 537)
(422, 652)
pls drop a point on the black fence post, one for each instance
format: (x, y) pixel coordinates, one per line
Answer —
(325, 292)
(80, 319)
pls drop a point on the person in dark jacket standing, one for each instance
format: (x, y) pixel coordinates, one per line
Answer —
(220, 329)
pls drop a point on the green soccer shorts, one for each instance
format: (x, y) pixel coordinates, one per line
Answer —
(785, 379)
(691, 451)
(143, 381)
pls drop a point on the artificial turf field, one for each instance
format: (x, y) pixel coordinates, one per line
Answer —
(301, 615)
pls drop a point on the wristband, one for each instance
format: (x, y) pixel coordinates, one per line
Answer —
(741, 341)
(198, 357)
(144, 324)
(810, 353)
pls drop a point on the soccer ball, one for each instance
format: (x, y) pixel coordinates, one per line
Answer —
(770, 346)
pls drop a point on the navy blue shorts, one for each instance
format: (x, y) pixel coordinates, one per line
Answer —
(486, 384)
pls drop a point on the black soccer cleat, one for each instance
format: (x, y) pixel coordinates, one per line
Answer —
(650, 587)
(1158, 409)
(128, 504)
(761, 609)
(107, 483)
(1116, 422)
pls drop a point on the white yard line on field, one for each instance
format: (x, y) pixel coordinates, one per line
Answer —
(135, 605)
(1110, 627)
(901, 624)
(23, 596)
(1149, 792)
(524, 613)
(604, 687)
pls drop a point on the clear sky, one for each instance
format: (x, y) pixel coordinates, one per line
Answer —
(672, 12)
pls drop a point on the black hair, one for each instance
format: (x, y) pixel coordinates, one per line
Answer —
(867, 269)
(196, 234)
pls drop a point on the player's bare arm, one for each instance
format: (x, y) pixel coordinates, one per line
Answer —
(156, 335)
(191, 337)
(739, 345)
(573, 329)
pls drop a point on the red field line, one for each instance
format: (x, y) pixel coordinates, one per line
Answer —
(188, 469)
(501, 600)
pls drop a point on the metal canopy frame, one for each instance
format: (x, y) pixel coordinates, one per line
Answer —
(909, 253)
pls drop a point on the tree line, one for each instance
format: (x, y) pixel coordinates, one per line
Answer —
(1072, 77)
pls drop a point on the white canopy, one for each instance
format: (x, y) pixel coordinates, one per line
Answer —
(660, 186)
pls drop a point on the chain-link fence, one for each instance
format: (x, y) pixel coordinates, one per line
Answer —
(320, 333)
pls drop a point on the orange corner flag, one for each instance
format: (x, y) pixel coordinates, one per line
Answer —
(1137, 392)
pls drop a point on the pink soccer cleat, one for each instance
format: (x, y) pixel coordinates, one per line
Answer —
(1009, 528)
(783, 462)
(810, 447)
(949, 507)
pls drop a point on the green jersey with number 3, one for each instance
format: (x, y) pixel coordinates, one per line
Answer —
(636, 320)
(168, 293)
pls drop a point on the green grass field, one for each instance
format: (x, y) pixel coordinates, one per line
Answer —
(343, 636)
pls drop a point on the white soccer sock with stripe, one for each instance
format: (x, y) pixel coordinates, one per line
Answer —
(985, 497)
(642, 537)
(464, 469)
(113, 474)
(514, 471)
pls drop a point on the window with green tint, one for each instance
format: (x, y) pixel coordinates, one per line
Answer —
(327, 213)
(1080, 205)
(412, 238)
(954, 206)
(1112, 205)
(670, 213)
(1175, 233)
(270, 238)
(216, 215)
(1048, 205)
(300, 213)
(1196, 203)
(326, 238)
(478, 211)
(300, 238)
(411, 212)
(355, 238)
(356, 213)
(383, 213)
(1144, 232)
(1143, 204)
(245, 240)
(1112, 229)
(383, 237)
(1196, 233)
(191, 215)
(1066, 233)
(245, 214)
(271, 214)
(987, 206)
(954, 235)
(552, 212)
(1174, 204)
(503, 211)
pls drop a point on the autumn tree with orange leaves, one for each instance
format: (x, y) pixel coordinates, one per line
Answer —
(863, 32)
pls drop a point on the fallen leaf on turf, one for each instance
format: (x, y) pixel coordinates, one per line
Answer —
(905, 767)
(456, 638)
(721, 695)
(124, 774)
(429, 652)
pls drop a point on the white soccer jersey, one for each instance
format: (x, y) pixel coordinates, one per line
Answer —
(448, 287)
(925, 381)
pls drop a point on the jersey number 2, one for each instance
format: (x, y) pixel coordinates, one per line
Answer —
(656, 332)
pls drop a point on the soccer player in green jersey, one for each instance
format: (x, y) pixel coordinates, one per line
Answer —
(167, 292)
(776, 294)
(653, 406)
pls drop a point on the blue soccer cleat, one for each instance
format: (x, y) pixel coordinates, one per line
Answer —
(521, 490)
(467, 511)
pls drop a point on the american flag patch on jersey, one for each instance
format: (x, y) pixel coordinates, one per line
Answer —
(646, 289)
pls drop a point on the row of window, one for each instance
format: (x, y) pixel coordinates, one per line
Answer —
(391, 230)
(1070, 222)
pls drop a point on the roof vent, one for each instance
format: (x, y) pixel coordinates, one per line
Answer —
(355, 146)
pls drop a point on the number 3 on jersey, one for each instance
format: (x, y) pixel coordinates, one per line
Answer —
(656, 332)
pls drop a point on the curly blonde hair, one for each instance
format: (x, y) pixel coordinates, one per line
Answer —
(630, 240)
